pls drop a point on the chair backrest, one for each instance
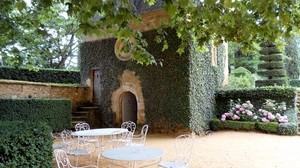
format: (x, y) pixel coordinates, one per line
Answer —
(120, 139)
(143, 134)
(144, 130)
(61, 158)
(66, 136)
(82, 126)
(183, 147)
(129, 125)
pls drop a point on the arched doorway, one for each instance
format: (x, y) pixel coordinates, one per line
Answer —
(129, 107)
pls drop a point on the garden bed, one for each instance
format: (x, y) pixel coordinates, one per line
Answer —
(268, 127)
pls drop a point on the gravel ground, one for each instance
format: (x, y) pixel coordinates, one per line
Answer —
(232, 149)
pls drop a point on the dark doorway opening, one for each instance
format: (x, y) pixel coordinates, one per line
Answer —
(129, 107)
(96, 87)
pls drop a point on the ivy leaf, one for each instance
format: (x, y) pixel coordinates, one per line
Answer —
(171, 9)
(20, 5)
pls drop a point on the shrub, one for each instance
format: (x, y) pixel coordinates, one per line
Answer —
(287, 129)
(216, 124)
(25, 144)
(240, 111)
(270, 111)
(55, 112)
(270, 127)
(43, 75)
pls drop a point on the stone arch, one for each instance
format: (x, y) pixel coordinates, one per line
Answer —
(129, 82)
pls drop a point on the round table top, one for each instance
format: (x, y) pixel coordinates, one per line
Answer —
(99, 132)
(131, 153)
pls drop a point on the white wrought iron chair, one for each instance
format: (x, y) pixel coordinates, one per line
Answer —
(76, 147)
(139, 140)
(118, 139)
(182, 149)
(57, 142)
(129, 125)
(63, 161)
(81, 126)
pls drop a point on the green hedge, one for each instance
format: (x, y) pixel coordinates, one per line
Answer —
(43, 75)
(272, 73)
(55, 112)
(270, 65)
(269, 127)
(25, 144)
(216, 124)
(271, 82)
(295, 83)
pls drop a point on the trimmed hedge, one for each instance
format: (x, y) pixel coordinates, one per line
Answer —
(270, 127)
(43, 75)
(271, 82)
(270, 65)
(216, 124)
(272, 73)
(55, 112)
(295, 83)
(25, 144)
(271, 57)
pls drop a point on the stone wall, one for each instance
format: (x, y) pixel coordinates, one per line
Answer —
(18, 89)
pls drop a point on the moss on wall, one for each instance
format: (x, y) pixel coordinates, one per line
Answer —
(180, 94)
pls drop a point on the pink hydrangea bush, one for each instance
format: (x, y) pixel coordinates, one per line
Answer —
(240, 111)
(271, 111)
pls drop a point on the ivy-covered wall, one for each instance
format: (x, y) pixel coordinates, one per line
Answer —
(179, 94)
(204, 78)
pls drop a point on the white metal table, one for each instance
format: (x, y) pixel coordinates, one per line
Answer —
(99, 132)
(133, 154)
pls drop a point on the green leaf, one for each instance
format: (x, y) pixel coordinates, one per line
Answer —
(21, 5)
(171, 9)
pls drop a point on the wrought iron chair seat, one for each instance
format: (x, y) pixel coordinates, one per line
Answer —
(63, 161)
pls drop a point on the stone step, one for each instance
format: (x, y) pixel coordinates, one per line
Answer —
(89, 108)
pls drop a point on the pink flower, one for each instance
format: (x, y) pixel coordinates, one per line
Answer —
(265, 113)
(235, 117)
(223, 119)
(237, 106)
(249, 113)
(270, 104)
(283, 119)
(265, 120)
(271, 117)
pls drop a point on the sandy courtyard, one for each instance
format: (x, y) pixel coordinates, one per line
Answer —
(232, 149)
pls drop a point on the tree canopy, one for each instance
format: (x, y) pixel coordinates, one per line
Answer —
(243, 21)
(36, 37)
